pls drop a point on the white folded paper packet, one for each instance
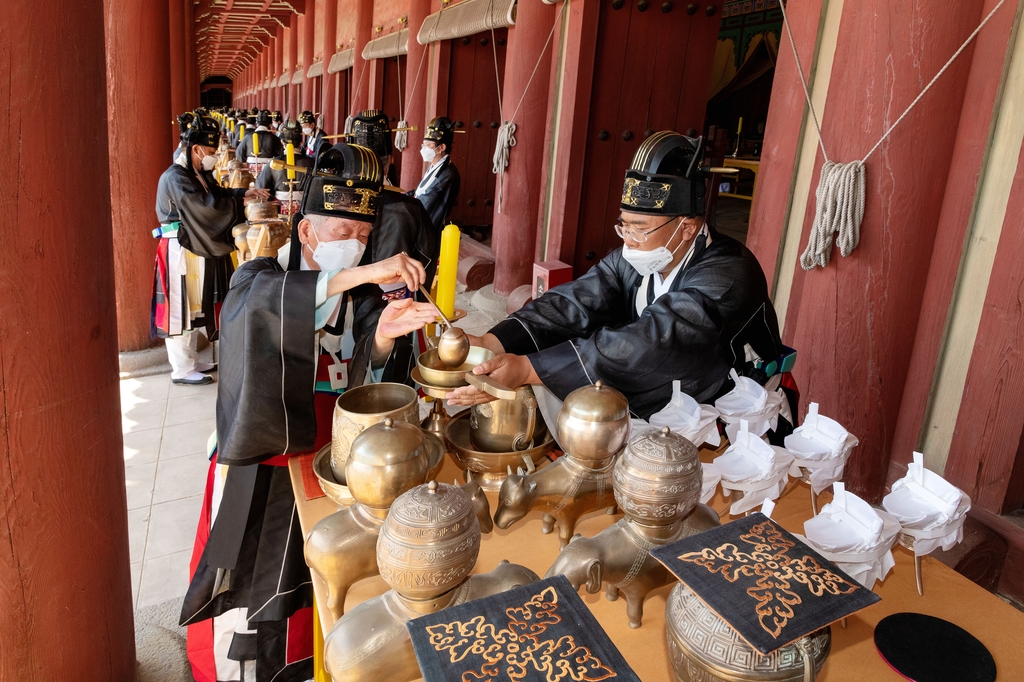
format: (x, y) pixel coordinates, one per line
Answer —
(821, 446)
(753, 467)
(750, 401)
(856, 536)
(712, 477)
(685, 416)
(929, 508)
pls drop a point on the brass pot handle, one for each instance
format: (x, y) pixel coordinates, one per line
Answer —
(804, 645)
(530, 403)
(490, 386)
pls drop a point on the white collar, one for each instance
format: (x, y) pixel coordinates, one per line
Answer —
(259, 128)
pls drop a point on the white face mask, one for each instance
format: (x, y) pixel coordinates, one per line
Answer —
(307, 130)
(209, 162)
(427, 153)
(650, 262)
(340, 254)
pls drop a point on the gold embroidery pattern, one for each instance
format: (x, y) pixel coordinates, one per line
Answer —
(777, 573)
(519, 649)
(646, 194)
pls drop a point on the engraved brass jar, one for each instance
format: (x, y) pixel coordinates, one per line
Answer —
(658, 478)
(364, 406)
(702, 648)
(593, 423)
(386, 460)
(261, 211)
(429, 542)
(239, 176)
(508, 425)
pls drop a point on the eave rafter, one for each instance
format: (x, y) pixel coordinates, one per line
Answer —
(231, 34)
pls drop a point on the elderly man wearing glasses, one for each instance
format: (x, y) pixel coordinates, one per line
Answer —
(678, 301)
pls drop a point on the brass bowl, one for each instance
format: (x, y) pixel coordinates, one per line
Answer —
(436, 373)
(338, 491)
(488, 469)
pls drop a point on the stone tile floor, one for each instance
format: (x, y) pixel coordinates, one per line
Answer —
(166, 430)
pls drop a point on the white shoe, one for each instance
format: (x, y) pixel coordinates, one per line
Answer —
(206, 367)
(194, 379)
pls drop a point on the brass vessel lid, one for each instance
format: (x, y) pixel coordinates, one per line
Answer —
(597, 403)
(387, 443)
(261, 211)
(662, 451)
(657, 480)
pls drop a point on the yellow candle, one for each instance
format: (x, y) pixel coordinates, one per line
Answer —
(740, 129)
(448, 269)
(241, 131)
(290, 151)
(255, 144)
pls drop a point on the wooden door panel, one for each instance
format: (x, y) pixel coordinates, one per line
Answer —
(652, 72)
(390, 97)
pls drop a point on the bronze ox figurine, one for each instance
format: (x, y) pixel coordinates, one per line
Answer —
(371, 642)
(619, 557)
(563, 491)
(342, 547)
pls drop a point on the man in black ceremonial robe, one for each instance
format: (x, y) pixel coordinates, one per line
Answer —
(287, 192)
(249, 600)
(439, 187)
(677, 301)
(269, 143)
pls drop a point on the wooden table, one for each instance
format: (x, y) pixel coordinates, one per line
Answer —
(752, 165)
(947, 594)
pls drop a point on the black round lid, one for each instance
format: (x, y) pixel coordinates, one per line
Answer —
(928, 649)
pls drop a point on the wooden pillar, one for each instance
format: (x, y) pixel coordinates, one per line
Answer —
(292, 59)
(415, 95)
(276, 50)
(515, 228)
(191, 60)
(65, 582)
(853, 322)
(176, 46)
(360, 99)
(309, 35)
(375, 75)
(138, 66)
(330, 20)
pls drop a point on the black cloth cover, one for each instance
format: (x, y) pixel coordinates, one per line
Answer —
(764, 583)
(928, 649)
(541, 632)
(588, 329)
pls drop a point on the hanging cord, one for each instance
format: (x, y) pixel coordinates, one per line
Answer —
(351, 117)
(401, 136)
(840, 195)
(507, 130)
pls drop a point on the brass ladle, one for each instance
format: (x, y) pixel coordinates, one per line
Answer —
(453, 345)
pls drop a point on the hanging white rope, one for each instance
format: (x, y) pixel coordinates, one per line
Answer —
(507, 130)
(840, 196)
(401, 136)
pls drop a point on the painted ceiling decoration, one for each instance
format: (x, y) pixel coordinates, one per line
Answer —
(230, 34)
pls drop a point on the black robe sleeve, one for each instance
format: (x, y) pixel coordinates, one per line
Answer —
(268, 364)
(207, 214)
(402, 225)
(439, 198)
(587, 330)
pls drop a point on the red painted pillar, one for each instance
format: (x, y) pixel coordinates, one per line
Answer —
(854, 322)
(515, 228)
(363, 10)
(65, 582)
(309, 35)
(176, 30)
(138, 67)
(191, 60)
(292, 62)
(415, 100)
(330, 20)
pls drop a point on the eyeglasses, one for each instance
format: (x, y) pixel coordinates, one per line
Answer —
(639, 236)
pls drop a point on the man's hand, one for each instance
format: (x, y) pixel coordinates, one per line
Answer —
(396, 320)
(488, 341)
(400, 268)
(257, 193)
(511, 370)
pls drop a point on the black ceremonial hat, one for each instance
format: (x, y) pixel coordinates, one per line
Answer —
(277, 115)
(346, 184)
(371, 128)
(263, 118)
(291, 132)
(307, 117)
(440, 130)
(202, 131)
(665, 177)
(184, 123)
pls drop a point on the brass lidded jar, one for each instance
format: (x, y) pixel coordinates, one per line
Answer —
(593, 423)
(429, 542)
(386, 460)
(703, 648)
(261, 211)
(657, 480)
